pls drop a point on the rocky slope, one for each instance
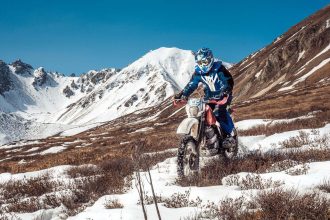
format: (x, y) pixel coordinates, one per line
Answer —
(298, 58)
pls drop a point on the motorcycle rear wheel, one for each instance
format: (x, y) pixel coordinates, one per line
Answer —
(188, 157)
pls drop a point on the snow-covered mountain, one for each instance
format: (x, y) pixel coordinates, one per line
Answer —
(146, 82)
(32, 97)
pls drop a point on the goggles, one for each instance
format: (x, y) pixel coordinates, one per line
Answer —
(204, 62)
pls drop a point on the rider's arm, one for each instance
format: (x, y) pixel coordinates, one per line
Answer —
(191, 86)
(230, 80)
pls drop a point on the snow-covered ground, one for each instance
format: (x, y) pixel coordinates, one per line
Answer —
(164, 176)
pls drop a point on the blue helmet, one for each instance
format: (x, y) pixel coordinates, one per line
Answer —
(204, 60)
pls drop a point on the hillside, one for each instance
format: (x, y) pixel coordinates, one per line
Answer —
(89, 170)
(297, 59)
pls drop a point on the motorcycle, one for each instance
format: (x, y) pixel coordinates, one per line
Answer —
(202, 135)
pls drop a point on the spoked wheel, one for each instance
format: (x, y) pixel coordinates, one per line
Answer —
(188, 157)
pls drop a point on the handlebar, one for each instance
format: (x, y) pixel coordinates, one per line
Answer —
(181, 102)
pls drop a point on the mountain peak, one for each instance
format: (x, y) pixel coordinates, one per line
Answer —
(20, 67)
(162, 56)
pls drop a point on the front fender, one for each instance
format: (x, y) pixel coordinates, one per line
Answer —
(189, 126)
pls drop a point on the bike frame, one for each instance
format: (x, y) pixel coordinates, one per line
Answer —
(194, 126)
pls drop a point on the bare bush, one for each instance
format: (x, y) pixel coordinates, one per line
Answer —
(233, 209)
(288, 204)
(26, 205)
(300, 140)
(231, 180)
(252, 181)
(325, 186)
(148, 200)
(227, 208)
(28, 187)
(270, 204)
(82, 171)
(298, 170)
(179, 200)
(112, 204)
(282, 165)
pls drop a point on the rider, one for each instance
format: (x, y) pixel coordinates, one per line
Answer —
(218, 83)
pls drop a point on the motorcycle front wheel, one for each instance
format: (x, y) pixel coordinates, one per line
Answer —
(188, 157)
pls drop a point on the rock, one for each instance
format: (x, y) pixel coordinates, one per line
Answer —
(40, 77)
(74, 85)
(68, 92)
(131, 100)
(5, 82)
(21, 67)
(89, 89)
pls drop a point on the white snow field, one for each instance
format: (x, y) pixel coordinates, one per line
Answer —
(164, 176)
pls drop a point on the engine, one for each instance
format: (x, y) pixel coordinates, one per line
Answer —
(211, 136)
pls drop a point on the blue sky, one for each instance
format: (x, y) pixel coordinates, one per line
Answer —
(74, 36)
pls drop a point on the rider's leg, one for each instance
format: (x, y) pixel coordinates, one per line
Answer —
(225, 120)
(227, 126)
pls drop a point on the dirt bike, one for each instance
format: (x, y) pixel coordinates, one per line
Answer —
(202, 135)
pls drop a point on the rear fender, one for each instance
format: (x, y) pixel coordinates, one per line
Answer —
(189, 126)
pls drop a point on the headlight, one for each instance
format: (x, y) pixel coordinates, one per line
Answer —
(193, 110)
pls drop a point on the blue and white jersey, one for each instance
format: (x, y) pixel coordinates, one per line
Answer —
(216, 82)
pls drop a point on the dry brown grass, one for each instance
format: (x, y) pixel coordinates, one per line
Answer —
(320, 119)
(285, 105)
(254, 162)
(28, 187)
(87, 183)
(270, 204)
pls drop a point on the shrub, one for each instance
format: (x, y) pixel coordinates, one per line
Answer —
(28, 187)
(298, 170)
(112, 204)
(179, 200)
(288, 204)
(325, 186)
(282, 165)
(252, 181)
(270, 204)
(293, 142)
(82, 171)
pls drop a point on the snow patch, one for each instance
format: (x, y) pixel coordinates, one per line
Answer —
(323, 63)
(301, 54)
(53, 150)
(258, 74)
